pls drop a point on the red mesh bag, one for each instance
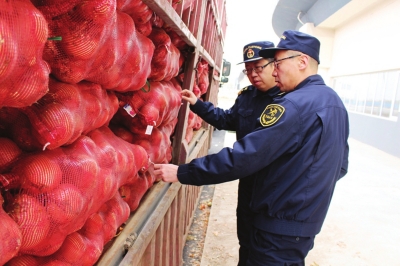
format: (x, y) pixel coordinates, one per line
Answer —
(68, 111)
(16, 126)
(36, 174)
(196, 90)
(156, 21)
(52, 193)
(24, 260)
(176, 40)
(84, 246)
(203, 80)
(32, 219)
(89, 31)
(141, 14)
(84, 30)
(138, 10)
(9, 153)
(182, 5)
(73, 247)
(193, 123)
(10, 236)
(108, 219)
(144, 28)
(23, 34)
(54, 8)
(157, 143)
(159, 105)
(129, 66)
(165, 63)
(133, 192)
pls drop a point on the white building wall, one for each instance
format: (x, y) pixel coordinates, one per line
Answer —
(365, 41)
(370, 42)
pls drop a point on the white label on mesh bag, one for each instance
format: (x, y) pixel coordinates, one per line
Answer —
(149, 129)
(129, 110)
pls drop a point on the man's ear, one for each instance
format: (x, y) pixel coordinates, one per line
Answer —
(304, 61)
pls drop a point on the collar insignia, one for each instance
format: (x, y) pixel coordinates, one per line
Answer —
(271, 114)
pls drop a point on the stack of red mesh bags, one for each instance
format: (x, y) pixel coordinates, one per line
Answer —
(89, 97)
(99, 44)
(23, 72)
(52, 194)
(148, 118)
(200, 87)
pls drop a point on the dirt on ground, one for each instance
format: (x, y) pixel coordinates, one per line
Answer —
(195, 239)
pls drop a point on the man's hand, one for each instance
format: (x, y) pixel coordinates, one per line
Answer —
(166, 172)
(189, 96)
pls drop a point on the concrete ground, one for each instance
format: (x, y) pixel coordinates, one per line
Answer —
(362, 226)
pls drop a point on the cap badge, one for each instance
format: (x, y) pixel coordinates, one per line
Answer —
(250, 53)
(271, 114)
(283, 37)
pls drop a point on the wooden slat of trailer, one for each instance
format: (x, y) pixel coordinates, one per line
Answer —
(116, 252)
(196, 20)
(179, 145)
(173, 232)
(149, 256)
(164, 234)
(165, 243)
(164, 10)
(180, 235)
(136, 252)
(159, 240)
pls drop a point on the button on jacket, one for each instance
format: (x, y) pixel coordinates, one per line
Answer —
(296, 159)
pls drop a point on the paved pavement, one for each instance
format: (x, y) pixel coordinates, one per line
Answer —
(362, 227)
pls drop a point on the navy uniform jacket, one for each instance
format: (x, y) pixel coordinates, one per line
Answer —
(243, 116)
(297, 156)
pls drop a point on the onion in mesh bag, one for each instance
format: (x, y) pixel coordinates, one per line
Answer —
(9, 152)
(72, 249)
(25, 260)
(32, 220)
(10, 236)
(38, 173)
(24, 74)
(65, 205)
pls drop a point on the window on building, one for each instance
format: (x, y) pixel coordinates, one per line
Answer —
(376, 94)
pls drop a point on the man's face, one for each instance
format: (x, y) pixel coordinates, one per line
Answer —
(263, 80)
(286, 71)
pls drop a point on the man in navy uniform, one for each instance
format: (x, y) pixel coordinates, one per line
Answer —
(297, 155)
(243, 117)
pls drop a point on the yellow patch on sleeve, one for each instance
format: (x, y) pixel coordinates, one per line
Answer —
(242, 90)
(271, 114)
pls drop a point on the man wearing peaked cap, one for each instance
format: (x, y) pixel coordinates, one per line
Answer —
(251, 51)
(293, 48)
(243, 117)
(294, 157)
(294, 40)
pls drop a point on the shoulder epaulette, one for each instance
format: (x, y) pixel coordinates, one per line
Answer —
(243, 90)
